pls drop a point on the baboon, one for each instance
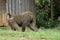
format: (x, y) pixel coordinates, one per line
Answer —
(25, 19)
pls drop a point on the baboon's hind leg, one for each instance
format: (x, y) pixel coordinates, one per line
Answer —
(33, 26)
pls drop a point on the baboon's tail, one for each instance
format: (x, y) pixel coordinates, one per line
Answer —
(9, 15)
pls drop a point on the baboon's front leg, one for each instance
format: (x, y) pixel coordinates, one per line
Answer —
(23, 28)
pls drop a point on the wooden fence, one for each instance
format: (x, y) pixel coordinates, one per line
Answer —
(19, 6)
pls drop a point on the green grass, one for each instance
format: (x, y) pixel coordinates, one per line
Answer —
(42, 34)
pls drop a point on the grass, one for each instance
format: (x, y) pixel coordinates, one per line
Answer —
(42, 34)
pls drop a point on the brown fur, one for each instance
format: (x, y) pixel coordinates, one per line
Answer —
(13, 24)
(25, 19)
